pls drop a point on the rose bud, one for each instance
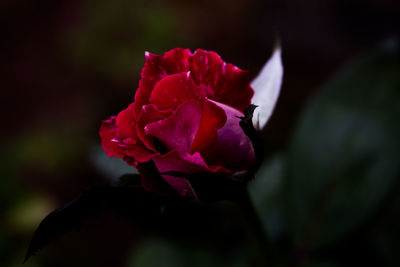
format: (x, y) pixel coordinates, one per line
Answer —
(185, 117)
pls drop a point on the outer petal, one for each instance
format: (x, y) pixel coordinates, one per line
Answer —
(126, 122)
(222, 82)
(179, 130)
(232, 148)
(176, 60)
(108, 133)
(138, 152)
(152, 72)
(127, 148)
(182, 162)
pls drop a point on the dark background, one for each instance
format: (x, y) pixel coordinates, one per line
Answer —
(66, 65)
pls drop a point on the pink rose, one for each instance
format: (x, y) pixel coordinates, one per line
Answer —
(184, 118)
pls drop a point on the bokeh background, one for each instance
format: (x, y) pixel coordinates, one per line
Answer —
(328, 193)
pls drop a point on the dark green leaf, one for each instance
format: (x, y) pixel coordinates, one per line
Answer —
(176, 255)
(343, 160)
(143, 206)
(266, 193)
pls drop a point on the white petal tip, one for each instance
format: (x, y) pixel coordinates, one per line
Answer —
(267, 87)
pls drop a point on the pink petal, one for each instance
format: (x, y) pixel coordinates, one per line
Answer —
(150, 113)
(232, 148)
(179, 130)
(181, 162)
(213, 118)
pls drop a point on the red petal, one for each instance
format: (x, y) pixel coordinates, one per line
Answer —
(152, 72)
(156, 67)
(179, 130)
(126, 122)
(138, 152)
(176, 60)
(150, 113)
(212, 119)
(108, 132)
(219, 81)
(173, 90)
(233, 88)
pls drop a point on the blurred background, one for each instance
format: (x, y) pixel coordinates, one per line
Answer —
(328, 193)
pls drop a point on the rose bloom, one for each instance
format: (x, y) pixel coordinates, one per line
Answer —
(184, 118)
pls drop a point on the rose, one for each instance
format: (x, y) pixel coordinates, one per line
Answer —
(185, 118)
(186, 124)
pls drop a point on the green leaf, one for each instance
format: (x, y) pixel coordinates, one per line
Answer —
(266, 194)
(343, 159)
(136, 203)
(165, 253)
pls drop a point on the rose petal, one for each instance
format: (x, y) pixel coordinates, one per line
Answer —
(173, 90)
(233, 88)
(212, 119)
(126, 122)
(108, 132)
(150, 113)
(152, 72)
(232, 148)
(156, 67)
(138, 152)
(180, 162)
(218, 80)
(179, 130)
(127, 148)
(176, 60)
